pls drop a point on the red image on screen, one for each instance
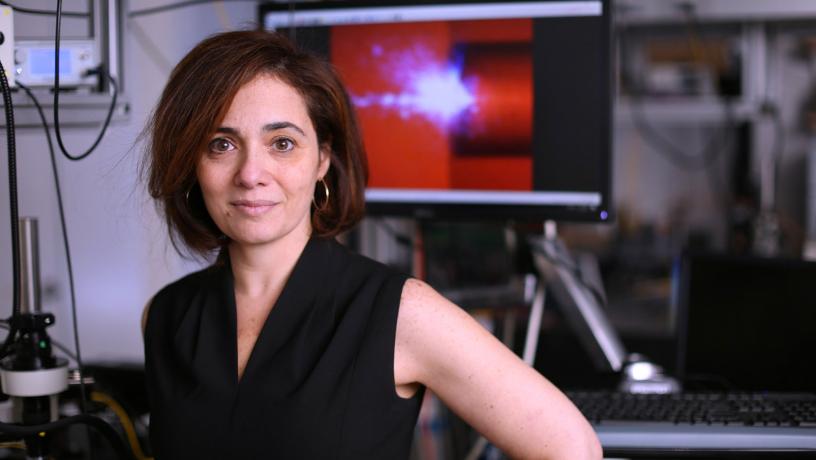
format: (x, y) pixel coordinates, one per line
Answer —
(442, 105)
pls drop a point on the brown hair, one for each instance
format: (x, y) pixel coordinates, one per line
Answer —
(197, 97)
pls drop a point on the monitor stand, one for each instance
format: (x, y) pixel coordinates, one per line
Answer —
(581, 303)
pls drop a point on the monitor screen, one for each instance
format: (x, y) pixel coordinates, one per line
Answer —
(473, 109)
(747, 323)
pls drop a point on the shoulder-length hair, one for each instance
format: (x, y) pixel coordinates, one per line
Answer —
(196, 99)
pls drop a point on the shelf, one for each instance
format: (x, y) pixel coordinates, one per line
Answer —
(76, 110)
(674, 11)
(683, 111)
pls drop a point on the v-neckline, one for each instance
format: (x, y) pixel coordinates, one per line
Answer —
(274, 306)
(279, 307)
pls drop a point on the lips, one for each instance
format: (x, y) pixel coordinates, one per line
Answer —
(254, 207)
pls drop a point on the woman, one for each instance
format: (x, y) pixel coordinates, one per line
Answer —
(290, 346)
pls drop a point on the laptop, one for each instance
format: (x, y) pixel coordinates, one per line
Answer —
(746, 356)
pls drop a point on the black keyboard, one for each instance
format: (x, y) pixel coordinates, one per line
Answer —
(705, 421)
(747, 409)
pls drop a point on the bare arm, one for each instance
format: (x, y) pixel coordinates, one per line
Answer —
(442, 347)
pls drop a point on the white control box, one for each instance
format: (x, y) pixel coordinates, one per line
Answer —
(7, 42)
(35, 62)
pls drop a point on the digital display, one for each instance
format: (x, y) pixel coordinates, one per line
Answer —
(454, 111)
(41, 62)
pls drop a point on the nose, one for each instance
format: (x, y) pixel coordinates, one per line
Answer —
(253, 169)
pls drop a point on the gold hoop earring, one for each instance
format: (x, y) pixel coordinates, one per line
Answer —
(187, 193)
(325, 205)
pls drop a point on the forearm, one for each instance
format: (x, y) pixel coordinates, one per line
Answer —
(559, 432)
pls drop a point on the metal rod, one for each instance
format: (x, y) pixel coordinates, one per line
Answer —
(29, 266)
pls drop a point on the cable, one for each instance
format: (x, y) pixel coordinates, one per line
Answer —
(173, 6)
(105, 124)
(89, 420)
(69, 354)
(124, 419)
(18, 9)
(78, 356)
(15, 236)
(66, 246)
(13, 445)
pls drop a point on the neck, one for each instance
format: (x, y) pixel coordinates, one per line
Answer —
(260, 269)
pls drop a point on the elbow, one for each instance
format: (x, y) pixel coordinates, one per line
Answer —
(574, 442)
(580, 444)
(586, 444)
(593, 446)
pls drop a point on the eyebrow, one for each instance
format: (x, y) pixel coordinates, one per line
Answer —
(266, 128)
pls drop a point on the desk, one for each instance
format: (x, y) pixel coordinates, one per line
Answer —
(644, 440)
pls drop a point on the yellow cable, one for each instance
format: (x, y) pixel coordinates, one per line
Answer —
(124, 419)
(12, 445)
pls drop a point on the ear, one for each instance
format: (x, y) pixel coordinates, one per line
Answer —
(323, 160)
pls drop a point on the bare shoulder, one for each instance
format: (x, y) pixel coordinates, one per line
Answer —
(424, 312)
(442, 347)
(420, 300)
(413, 310)
(431, 331)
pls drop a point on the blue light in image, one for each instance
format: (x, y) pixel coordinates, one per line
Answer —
(430, 89)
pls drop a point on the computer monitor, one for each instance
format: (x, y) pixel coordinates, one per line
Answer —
(473, 109)
(747, 323)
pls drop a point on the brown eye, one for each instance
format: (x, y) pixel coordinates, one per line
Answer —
(220, 145)
(283, 144)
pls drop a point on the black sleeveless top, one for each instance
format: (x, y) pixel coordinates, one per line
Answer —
(319, 383)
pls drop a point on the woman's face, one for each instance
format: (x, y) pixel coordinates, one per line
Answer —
(260, 167)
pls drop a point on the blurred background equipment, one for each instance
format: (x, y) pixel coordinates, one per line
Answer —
(32, 376)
